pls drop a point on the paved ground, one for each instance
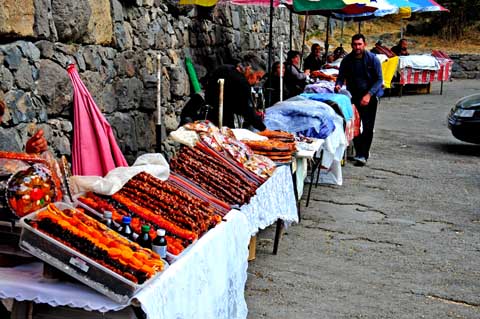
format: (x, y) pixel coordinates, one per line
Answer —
(400, 238)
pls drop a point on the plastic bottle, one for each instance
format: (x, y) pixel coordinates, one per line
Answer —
(107, 218)
(159, 244)
(144, 239)
(125, 229)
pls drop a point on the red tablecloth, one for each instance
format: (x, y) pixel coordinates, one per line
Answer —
(419, 76)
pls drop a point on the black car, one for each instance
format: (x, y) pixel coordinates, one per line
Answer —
(464, 119)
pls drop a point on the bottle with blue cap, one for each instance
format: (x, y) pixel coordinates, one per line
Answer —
(125, 230)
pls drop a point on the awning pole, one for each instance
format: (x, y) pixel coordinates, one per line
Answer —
(304, 37)
(281, 71)
(326, 39)
(291, 29)
(270, 45)
(341, 35)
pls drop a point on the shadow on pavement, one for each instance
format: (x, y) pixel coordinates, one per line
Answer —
(459, 149)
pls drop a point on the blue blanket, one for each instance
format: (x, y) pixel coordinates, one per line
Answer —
(301, 115)
(342, 101)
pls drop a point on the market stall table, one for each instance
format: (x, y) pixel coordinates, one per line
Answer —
(207, 282)
(273, 202)
(313, 156)
(408, 74)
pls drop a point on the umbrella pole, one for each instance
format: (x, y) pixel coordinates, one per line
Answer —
(341, 33)
(159, 106)
(401, 28)
(281, 71)
(359, 26)
(326, 39)
(304, 37)
(291, 29)
(269, 66)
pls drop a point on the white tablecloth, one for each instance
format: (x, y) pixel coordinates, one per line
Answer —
(207, 282)
(302, 157)
(274, 200)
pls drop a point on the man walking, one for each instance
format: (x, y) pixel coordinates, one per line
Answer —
(362, 73)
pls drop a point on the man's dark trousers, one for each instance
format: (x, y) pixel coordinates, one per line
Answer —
(367, 113)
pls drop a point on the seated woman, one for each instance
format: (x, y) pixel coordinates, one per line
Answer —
(314, 60)
(272, 85)
(295, 80)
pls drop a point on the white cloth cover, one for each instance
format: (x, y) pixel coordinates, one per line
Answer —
(154, 164)
(208, 282)
(274, 200)
(26, 282)
(416, 61)
(381, 57)
(244, 134)
(333, 149)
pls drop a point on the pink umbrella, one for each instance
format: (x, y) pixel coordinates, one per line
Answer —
(95, 150)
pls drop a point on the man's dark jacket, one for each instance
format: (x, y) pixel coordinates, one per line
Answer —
(374, 74)
(237, 97)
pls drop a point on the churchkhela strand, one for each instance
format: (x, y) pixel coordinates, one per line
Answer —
(215, 175)
(151, 216)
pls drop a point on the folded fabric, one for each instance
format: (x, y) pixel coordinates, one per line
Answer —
(299, 114)
(320, 87)
(342, 101)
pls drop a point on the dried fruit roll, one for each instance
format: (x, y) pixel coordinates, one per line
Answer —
(93, 239)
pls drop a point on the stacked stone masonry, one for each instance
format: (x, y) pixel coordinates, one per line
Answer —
(114, 45)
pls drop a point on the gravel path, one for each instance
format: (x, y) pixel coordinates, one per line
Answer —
(400, 238)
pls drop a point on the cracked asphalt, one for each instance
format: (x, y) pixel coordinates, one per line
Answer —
(400, 237)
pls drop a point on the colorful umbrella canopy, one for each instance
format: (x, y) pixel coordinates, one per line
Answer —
(383, 8)
(265, 3)
(300, 6)
(95, 150)
(426, 6)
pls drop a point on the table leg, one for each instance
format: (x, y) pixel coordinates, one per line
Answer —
(21, 310)
(315, 165)
(319, 168)
(278, 234)
(441, 87)
(295, 191)
(139, 312)
(252, 248)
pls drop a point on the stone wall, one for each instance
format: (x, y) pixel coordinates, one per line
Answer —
(466, 66)
(114, 45)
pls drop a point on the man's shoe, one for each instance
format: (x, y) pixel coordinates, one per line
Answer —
(360, 161)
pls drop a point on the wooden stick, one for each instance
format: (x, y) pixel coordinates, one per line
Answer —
(159, 90)
(220, 103)
(281, 71)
